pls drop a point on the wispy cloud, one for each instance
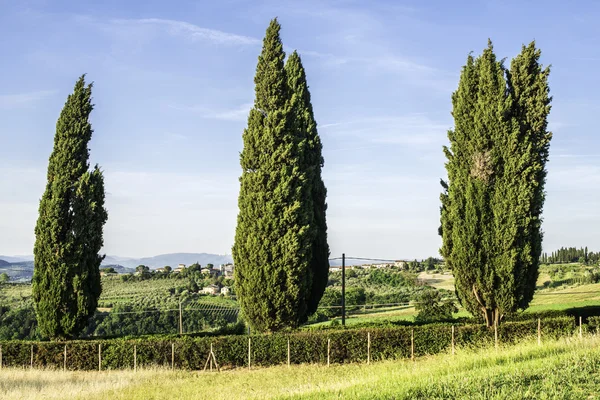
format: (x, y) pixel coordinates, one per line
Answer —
(239, 113)
(413, 129)
(189, 31)
(23, 99)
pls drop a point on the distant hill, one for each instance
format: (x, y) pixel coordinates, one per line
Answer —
(14, 259)
(181, 258)
(119, 269)
(18, 271)
(172, 260)
(22, 267)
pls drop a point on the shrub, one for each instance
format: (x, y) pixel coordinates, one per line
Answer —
(347, 345)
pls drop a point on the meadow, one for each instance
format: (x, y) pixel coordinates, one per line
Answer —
(562, 369)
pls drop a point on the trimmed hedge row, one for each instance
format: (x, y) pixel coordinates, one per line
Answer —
(305, 347)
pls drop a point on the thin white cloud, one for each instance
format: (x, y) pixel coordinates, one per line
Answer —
(23, 99)
(412, 130)
(190, 31)
(239, 113)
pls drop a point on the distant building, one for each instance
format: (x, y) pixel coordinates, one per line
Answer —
(225, 290)
(178, 269)
(226, 270)
(182, 266)
(211, 289)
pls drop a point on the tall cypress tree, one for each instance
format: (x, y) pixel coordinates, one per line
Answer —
(66, 277)
(528, 86)
(492, 202)
(272, 249)
(305, 125)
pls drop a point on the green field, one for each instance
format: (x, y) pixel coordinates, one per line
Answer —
(564, 293)
(559, 369)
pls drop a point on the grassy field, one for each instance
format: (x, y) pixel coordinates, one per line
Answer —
(562, 369)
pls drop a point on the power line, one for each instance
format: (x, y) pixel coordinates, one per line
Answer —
(366, 259)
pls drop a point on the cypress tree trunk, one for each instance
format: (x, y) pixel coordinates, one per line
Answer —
(66, 279)
(273, 240)
(306, 127)
(492, 203)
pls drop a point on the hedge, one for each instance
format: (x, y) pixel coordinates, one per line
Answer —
(347, 346)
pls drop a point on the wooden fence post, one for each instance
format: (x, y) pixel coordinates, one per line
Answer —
(289, 353)
(172, 356)
(452, 339)
(412, 344)
(0, 356)
(368, 348)
(99, 356)
(328, 350)
(65, 359)
(580, 332)
(249, 347)
(134, 358)
(539, 331)
(31, 364)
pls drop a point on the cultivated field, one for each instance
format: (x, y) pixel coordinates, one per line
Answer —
(561, 369)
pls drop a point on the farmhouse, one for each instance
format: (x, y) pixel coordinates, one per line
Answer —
(225, 290)
(226, 270)
(211, 289)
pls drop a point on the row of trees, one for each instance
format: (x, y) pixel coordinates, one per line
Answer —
(571, 255)
(490, 214)
(494, 194)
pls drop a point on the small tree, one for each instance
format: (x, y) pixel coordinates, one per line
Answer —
(430, 307)
(4, 278)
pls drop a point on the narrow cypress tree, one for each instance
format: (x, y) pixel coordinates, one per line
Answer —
(272, 249)
(528, 86)
(66, 278)
(305, 125)
(491, 206)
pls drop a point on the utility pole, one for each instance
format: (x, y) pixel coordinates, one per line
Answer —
(343, 289)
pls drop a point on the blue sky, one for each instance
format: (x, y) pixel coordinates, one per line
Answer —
(173, 83)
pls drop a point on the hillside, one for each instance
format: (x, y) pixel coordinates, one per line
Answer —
(21, 268)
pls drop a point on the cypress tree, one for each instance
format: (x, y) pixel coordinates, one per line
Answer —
(272, 248)
(492, 202)
(528, 86)
(305, 125)
(66, 278)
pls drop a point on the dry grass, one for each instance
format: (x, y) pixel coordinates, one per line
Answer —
(47, 384)
(557, 369)
(438, 281)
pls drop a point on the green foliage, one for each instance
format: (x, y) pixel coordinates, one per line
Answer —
(347, 346)
(431, 307)
(571, 255)
(66, 278)
(492, 203)
(18, 322)
(305, 125)
(4, 278)
(276, 251)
